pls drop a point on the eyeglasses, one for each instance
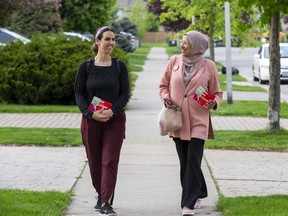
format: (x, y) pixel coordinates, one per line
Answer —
(185, 43)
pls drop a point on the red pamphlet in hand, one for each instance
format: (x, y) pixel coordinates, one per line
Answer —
(202, 96)
(98, 104)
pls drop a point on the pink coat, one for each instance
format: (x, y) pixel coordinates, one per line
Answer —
(196, 119)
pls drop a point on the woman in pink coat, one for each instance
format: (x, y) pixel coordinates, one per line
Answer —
(191, 70)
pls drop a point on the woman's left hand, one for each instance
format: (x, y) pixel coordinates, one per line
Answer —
(211, 104)
(101, 115)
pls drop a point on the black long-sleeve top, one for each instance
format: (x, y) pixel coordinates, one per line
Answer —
(105, 82)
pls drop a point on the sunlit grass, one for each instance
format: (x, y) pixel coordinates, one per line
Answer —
(137, 59)
(136, 68)
(254, 205)
(260, 140)
(20, 108)
(31, 203)
(248, 108)
(40, 136)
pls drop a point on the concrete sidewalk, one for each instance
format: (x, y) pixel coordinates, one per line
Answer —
(148, 182)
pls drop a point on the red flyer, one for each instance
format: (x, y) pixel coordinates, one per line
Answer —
(202, 96)
(98, 104)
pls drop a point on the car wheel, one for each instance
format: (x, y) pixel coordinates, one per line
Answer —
(254, 77)
(261, 81)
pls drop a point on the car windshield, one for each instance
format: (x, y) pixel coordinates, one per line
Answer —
(283, 52)
(4, 37)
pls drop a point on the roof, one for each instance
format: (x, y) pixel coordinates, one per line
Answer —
(280, 44)
(75, 34)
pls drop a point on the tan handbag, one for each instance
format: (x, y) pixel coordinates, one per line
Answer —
(169, 120)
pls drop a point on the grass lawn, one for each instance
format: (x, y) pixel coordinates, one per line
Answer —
(32, 203)
(40, 136)
(248, 109)
(260, 140)
(274, 205)
(19, 108)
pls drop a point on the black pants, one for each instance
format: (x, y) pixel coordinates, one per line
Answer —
(193, 184)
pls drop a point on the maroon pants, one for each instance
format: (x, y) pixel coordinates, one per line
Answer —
(103, 141)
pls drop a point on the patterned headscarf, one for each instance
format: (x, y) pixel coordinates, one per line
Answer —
(194, 60)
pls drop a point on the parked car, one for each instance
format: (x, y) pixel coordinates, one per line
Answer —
(75, 34)
(235, 42)
(234, 70)
(261, 63)
(132, 41)
(7, 36)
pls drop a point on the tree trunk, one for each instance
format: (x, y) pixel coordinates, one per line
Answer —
(274, 71)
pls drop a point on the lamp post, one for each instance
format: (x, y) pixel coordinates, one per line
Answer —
(228, 54)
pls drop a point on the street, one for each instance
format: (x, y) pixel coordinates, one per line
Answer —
(242, 59)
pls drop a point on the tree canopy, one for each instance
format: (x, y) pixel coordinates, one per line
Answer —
(85, 15)
(36, 19)
(175, 23)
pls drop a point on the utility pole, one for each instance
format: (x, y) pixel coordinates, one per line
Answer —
(228, 54)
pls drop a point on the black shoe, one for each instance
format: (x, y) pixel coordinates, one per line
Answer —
(107, 210)
(98, 205)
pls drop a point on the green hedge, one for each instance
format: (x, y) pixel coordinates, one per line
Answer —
(43, 71)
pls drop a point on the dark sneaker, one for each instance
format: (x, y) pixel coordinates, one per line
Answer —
(98, 205)
(107, 210)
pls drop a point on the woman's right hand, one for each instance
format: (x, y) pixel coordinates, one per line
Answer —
(169, 104)
(101, 115)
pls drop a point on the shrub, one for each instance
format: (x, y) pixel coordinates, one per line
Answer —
(43, 71)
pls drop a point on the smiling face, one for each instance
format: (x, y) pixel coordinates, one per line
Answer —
(107, 42)
(186, 46)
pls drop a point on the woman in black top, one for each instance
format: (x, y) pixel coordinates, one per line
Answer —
(103, 130)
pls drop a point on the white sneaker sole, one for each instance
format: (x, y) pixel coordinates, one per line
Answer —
(187, 212)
